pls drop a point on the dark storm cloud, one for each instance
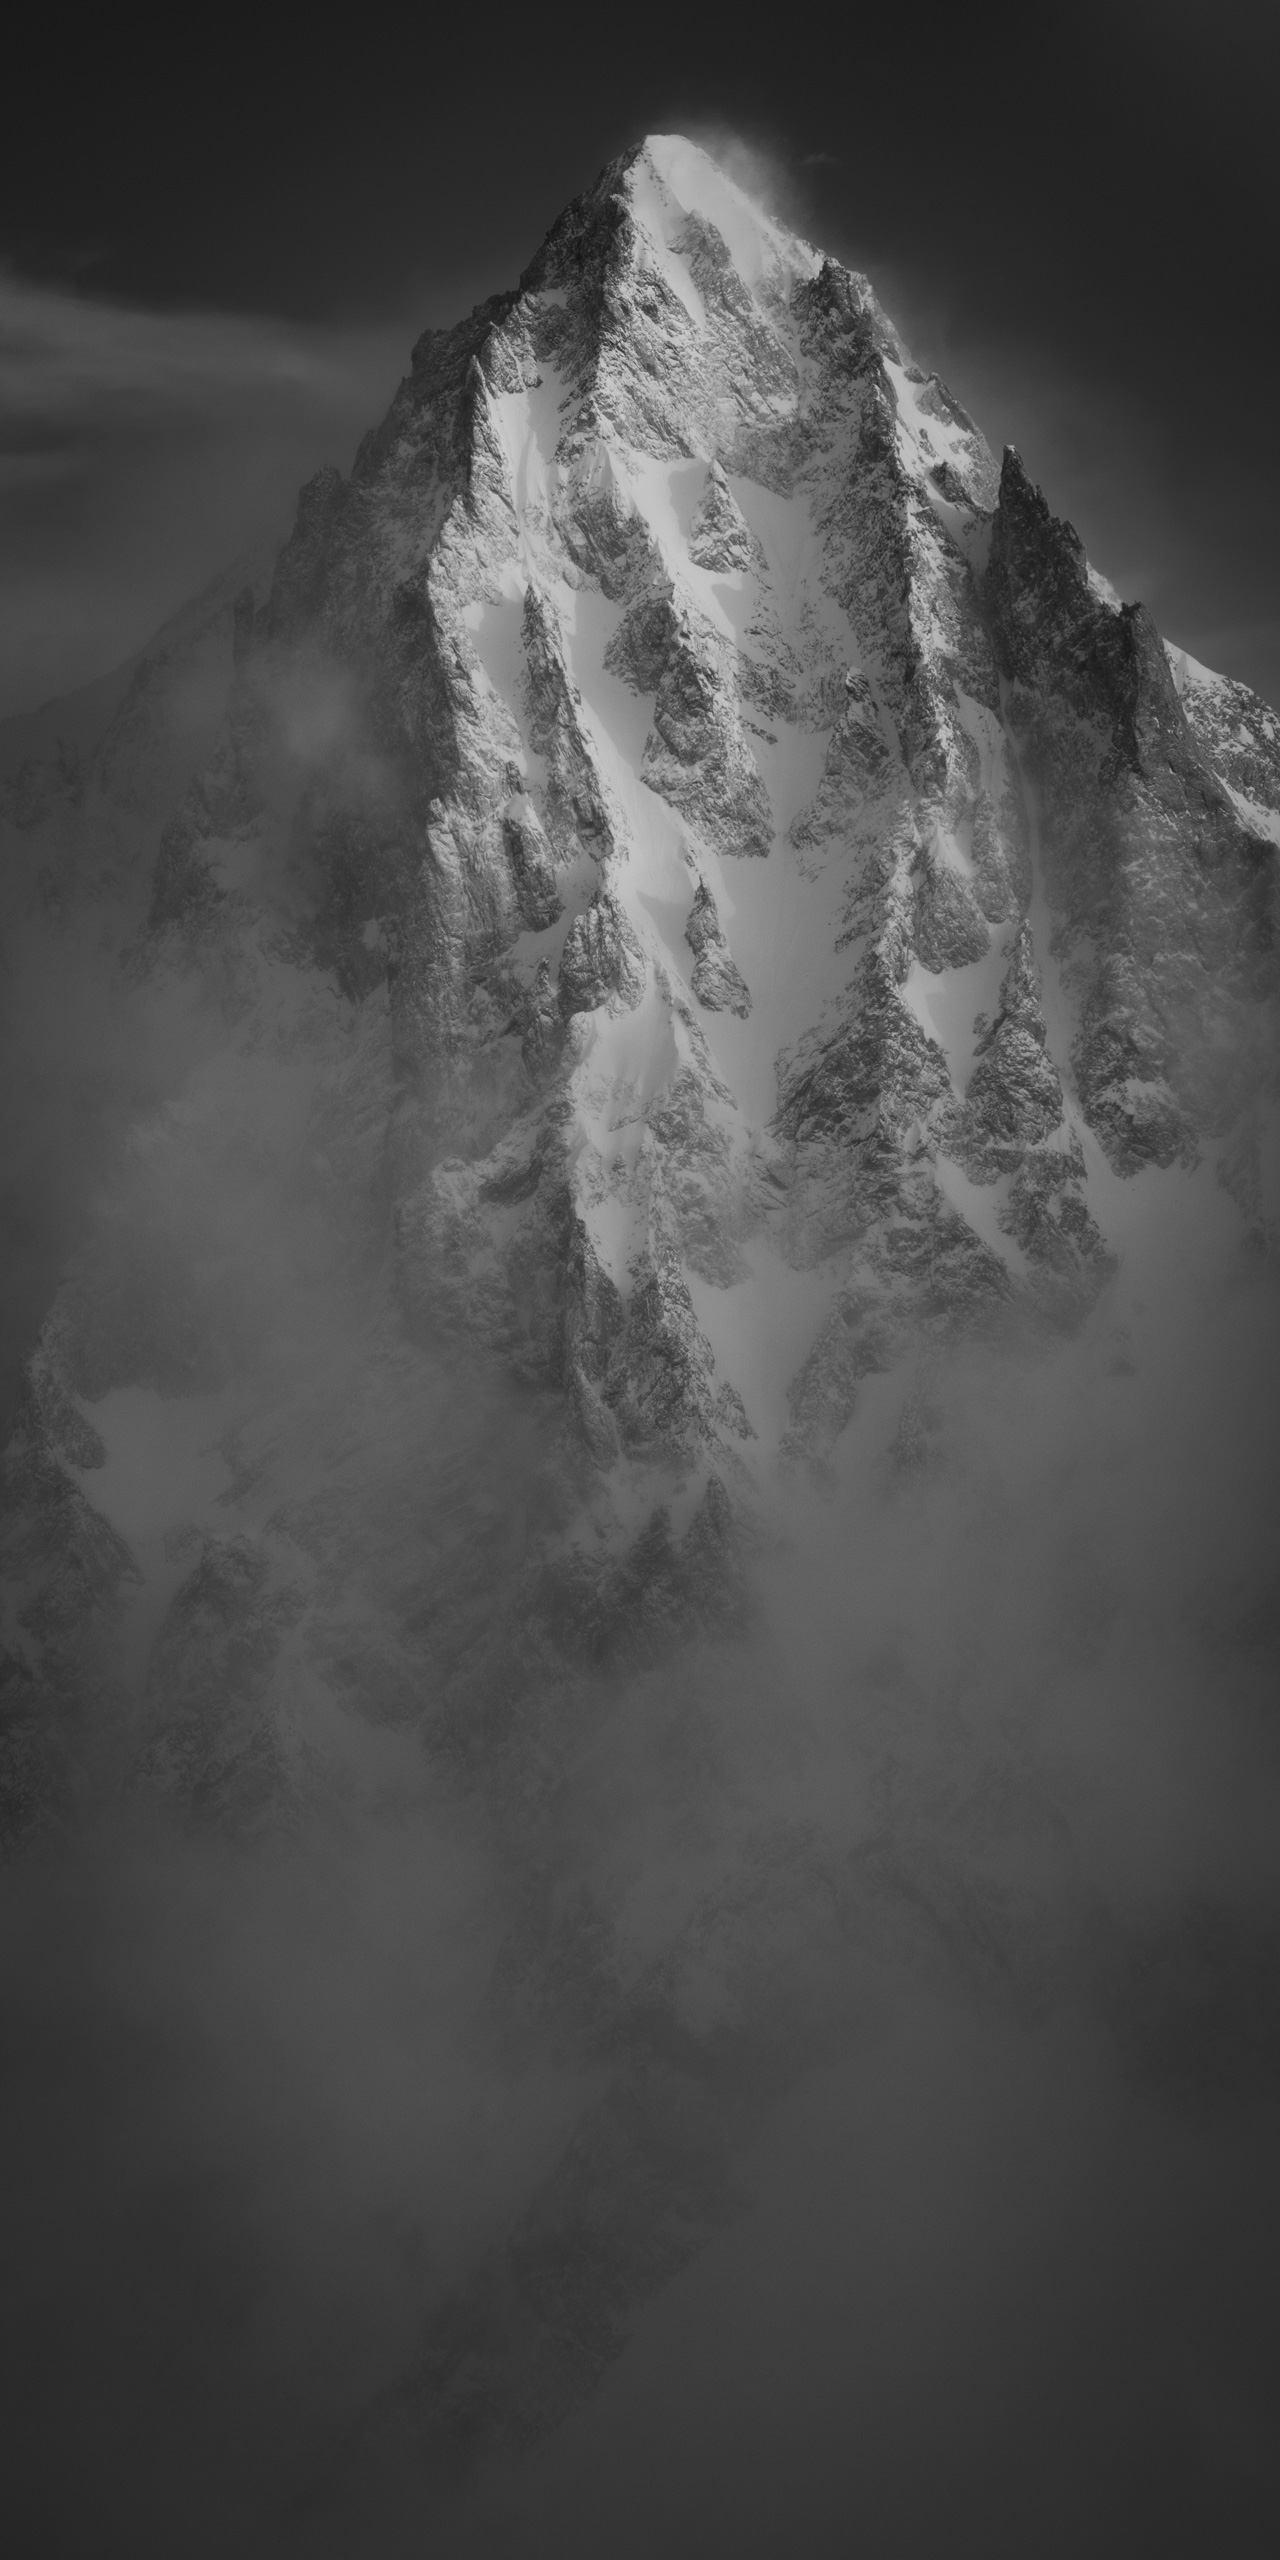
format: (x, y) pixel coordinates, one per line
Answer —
(141, 452)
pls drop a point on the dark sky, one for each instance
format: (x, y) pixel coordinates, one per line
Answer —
(217, 256)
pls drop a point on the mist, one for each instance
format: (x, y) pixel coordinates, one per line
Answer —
(951, 1880)
(142, 452)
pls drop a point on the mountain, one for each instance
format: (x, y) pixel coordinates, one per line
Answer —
(685, 916)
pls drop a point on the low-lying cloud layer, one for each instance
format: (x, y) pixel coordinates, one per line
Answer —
(943, 1897)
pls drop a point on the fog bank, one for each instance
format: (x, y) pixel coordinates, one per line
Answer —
(949, 1886)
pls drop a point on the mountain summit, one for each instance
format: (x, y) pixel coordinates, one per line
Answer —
(693, 908)
(730, 896)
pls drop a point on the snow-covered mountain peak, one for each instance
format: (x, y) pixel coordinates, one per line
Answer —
(681, 201)
(670, 178)
(761, 901)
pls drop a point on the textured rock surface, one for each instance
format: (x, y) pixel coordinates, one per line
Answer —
(1163, 889)
(717, 984)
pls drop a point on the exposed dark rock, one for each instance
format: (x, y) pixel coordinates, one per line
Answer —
(697, 757)
(717, 983)
(602, 962)
(950, 927)
(1164, 893)
(719, 537)
(1014, 1097)
(574, 807)
(530, 857)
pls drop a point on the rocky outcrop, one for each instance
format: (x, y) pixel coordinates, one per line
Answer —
(602, 961)
(719, 536)
(1164, 893)
(949, 928)
(1014, 1096)
(537, 895)
(717, 984)
(697, 755)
